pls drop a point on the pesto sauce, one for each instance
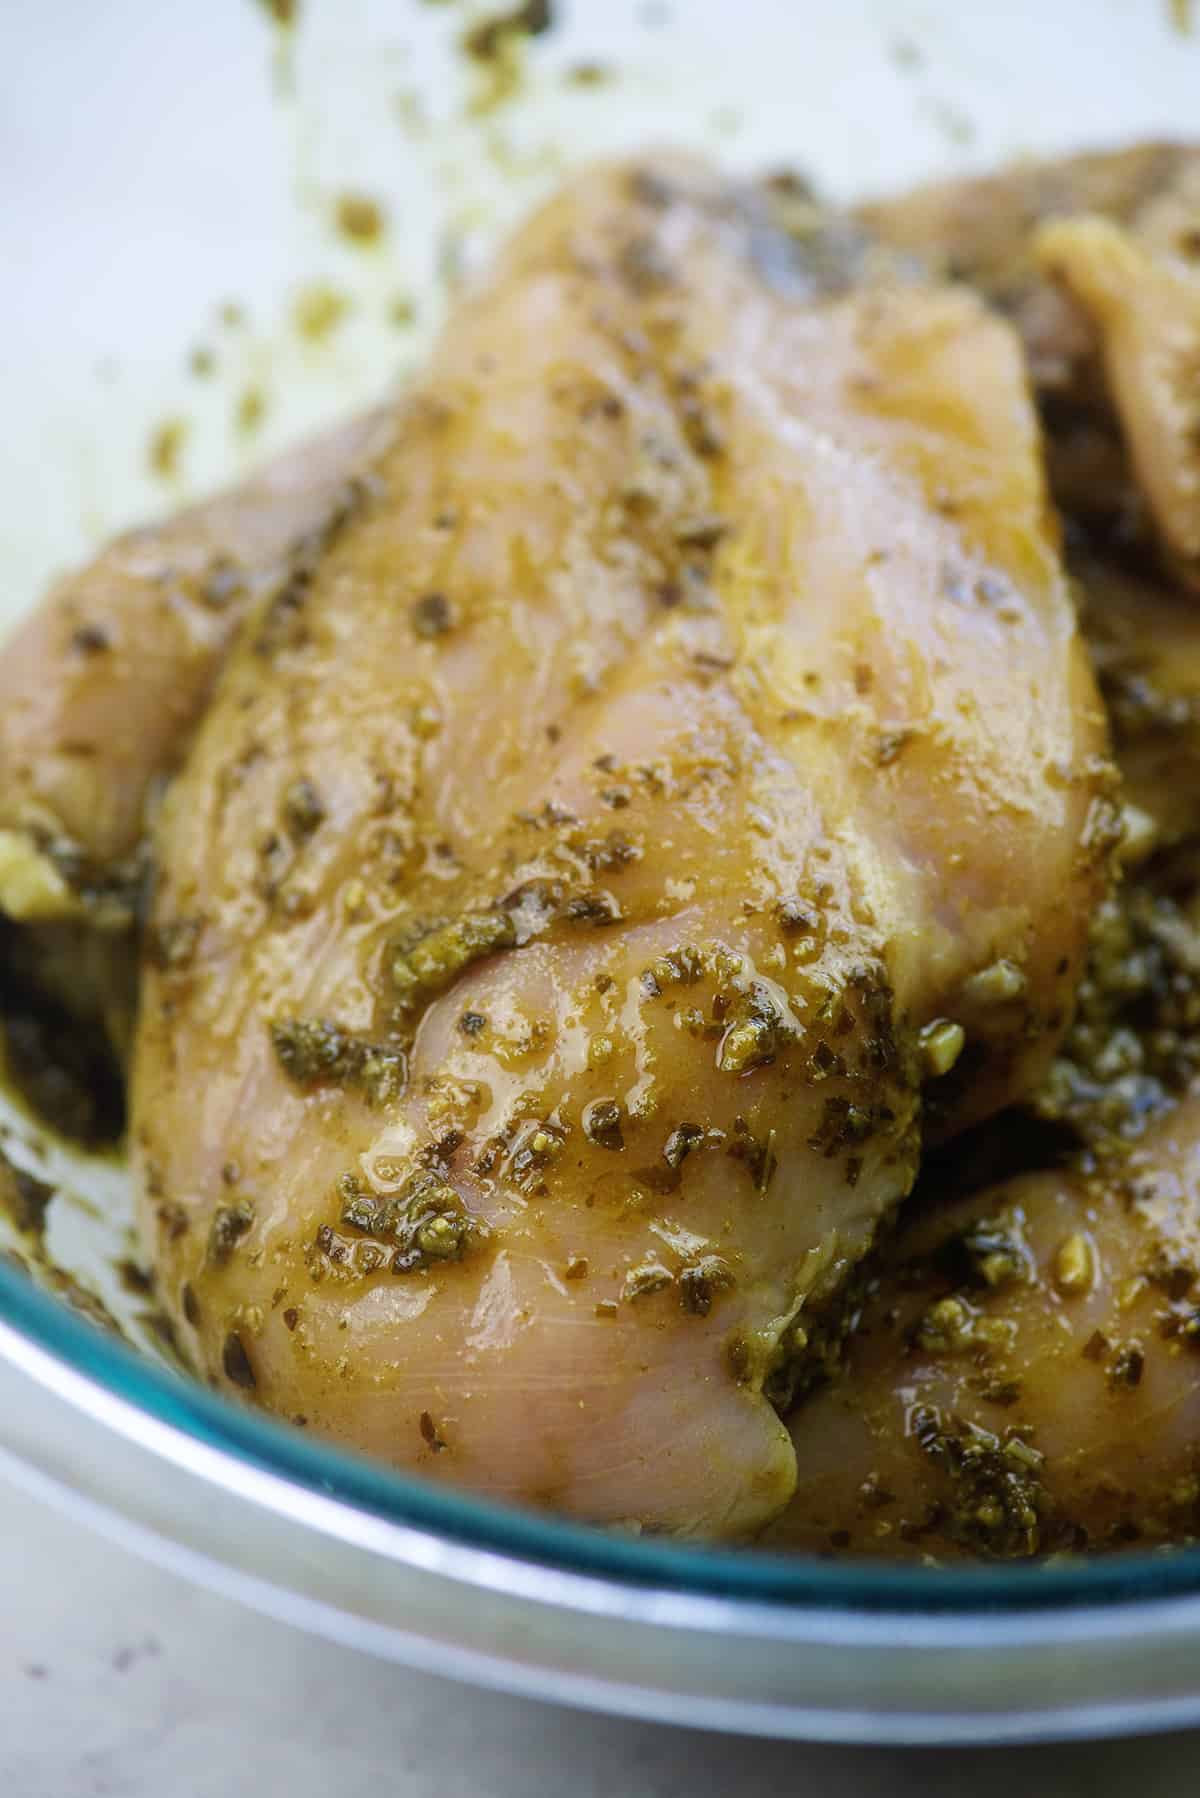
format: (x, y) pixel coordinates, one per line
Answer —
(315, 1051)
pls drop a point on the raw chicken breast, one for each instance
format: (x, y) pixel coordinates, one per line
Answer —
(678, 785)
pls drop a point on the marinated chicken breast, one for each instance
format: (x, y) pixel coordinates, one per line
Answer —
(1145, 308)
(102, 684)
(1024, 1377)
(982, 230)
(684, 749)
(1093, 257)
(981, 1405)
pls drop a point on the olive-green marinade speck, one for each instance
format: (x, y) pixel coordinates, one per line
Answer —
(230, 1223)
(433, 616)
(435, 959)
(701, 1282)
(315, 1051)
(303, 808)
(603, 1123)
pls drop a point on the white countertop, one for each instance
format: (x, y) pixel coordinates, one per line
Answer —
(118, 1679)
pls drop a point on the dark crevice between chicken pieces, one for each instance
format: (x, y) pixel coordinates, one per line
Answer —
(58, 1051)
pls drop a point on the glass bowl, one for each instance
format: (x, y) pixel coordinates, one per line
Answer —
(185, 204)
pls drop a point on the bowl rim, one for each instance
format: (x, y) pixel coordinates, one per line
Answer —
(411, 1572)
(31, 1319)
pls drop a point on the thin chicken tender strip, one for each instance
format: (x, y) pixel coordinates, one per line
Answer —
(680, 776)
(991, 231)
(1146, 311)
(102, 684)
(982, 229)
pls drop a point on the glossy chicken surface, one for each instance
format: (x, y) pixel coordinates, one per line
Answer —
(1145, 308)
(1025, 1376)
(103, 683)
(1094, 258)
(1022, 1377)
(683, 755)
(984, 229)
